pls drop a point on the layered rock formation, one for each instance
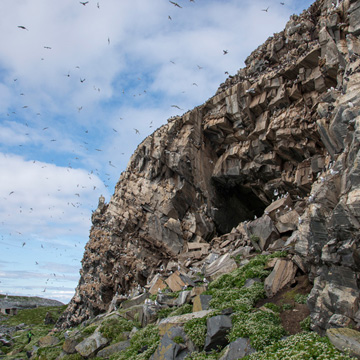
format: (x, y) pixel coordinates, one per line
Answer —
(271, 161)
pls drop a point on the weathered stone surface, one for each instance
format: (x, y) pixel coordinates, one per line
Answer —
(48, 340)
(201, 302)
(222, 265)
(237, 349)
(148, 314)
(170, 350)
(69, 346)
(180, 320)
(264, 229)
(178, 281)
(345, 339)
(137, 300)
(282, 275)
(217, 329)
(91, 344)
(156, 285)
(114, 348)
(183, 298)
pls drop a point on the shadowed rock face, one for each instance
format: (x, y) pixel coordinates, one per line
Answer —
(286, 125)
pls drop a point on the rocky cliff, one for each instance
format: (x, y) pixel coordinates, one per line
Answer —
(270, 162)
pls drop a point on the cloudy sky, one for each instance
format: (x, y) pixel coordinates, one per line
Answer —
(80, 87)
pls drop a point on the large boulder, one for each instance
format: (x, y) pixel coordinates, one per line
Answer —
(92, 344)
(217, 329)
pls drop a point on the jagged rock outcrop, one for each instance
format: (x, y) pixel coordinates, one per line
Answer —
(278, 142)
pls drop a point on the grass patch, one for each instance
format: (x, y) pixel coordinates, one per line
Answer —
(35, 316)
(114, 328)
(142, 345)
(263, 328)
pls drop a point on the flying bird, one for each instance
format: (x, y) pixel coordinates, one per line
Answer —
(195, 84)
(137, 131)
(200, 67)
(84, 3)
(169, 17)
(108, 40)
(175, 106)
(82, 80)
(282, 3)
(23, 244)
(23, 27)
(266, 10)
(47, 47)
(98, 5)
(175, 4)
(225, 52)
(11, 192)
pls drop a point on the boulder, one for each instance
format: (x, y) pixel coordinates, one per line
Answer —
(217, 329)
(283, 274)
(237, 349)
(264, 230)
(112, 349)
(201, 302)
(48, 340)
(137, 300)
(222, 265)
(69, 345)
(169, 349)
(177, 281)
(166, 324)
(345, 339)
(92, 344)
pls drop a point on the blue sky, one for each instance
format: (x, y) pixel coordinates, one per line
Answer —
(74, 86)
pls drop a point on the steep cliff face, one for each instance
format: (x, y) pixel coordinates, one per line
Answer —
(278, 142)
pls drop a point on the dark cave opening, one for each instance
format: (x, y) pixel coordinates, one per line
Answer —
(235, 203)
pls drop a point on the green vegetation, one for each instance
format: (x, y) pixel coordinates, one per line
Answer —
(114, 328)
(300, 299)
(196, 331)
(89, 330)
(203, 356)
(273, 307)
(305, 324)
(178, 340)
(263, 328)
(181, 310)
(72, 357)
(303, 346)
(35, 316)
(287, 307)
(142, 345)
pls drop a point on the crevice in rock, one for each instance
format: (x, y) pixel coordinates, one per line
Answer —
(235, 203)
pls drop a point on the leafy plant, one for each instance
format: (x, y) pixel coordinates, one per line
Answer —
(287, 306)
(273, 307)
(196, 330)
(305, 324)
(114, 328)
(302, 346)
(142, 345)
(178, 340)
(263, 328)
(300, 299)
